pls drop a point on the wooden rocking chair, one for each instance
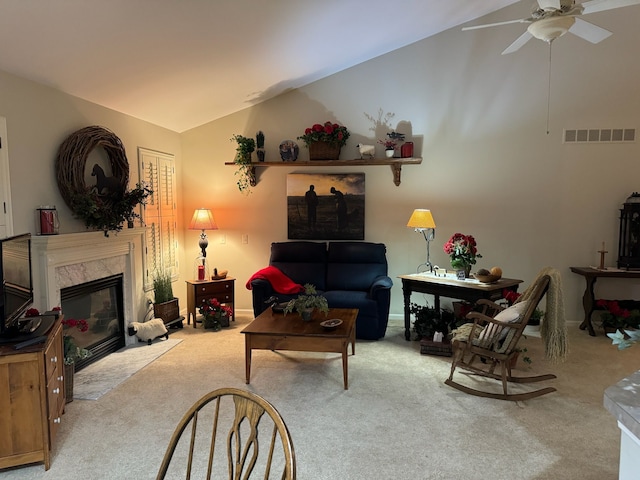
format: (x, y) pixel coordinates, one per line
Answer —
(492, 341)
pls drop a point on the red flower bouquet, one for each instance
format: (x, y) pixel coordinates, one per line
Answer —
(463, 251)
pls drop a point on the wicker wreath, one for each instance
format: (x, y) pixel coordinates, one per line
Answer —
(72, 159)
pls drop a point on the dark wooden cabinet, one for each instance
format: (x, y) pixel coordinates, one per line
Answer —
(32, 400)
(223, 290)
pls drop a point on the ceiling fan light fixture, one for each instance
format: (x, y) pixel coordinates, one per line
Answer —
(548, 29)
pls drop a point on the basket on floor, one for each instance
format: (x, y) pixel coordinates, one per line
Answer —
(324, 151)
(443, 349)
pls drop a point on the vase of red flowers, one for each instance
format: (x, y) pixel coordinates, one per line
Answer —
(215, 314)
(325, 140)
(463, 251)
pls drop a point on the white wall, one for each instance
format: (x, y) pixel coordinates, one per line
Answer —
(490, 169)
(478, 120)
(39, 119)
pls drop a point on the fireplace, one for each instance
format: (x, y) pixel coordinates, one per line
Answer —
(99, 302)
(69, 260)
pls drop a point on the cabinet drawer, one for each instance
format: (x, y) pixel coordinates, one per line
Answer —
(55, 399)
(210, 289)
(52, 357)
(222, 297)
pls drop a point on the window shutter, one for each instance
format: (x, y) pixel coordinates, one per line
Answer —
(159, 215)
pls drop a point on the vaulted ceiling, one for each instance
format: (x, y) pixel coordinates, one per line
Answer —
(183, 63)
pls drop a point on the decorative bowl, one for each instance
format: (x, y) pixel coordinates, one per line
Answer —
(487, 278)
(332, 323)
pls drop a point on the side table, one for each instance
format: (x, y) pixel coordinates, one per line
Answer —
(588, 298)
(197, 291)
(470, 290)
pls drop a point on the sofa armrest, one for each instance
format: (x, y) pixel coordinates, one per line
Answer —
(261, 290)
(381, 282)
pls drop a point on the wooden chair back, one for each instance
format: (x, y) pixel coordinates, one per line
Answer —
(230, 418)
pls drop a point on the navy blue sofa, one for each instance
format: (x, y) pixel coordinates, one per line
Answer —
(348, 274)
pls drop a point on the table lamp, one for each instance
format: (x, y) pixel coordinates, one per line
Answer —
(203, 220)
(422, 221)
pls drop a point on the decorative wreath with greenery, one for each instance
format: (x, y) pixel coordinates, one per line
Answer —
(106, 205)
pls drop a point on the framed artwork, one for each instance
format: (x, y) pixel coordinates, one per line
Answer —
(325, 206)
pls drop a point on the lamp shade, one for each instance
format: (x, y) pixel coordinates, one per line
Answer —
(203, 220)
(421, 219)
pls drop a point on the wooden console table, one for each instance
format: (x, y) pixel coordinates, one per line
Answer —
(470, 290)
(589, 299)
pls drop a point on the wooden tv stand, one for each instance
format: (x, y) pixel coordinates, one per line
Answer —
(31, 399)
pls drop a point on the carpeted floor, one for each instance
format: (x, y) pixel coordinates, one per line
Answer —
(397, 420)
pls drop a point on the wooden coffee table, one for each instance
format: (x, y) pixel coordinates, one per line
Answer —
(274, 331)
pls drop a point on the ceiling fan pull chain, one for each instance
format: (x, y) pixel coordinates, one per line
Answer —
(549, 87)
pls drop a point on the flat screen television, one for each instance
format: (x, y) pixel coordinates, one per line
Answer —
(17, 281)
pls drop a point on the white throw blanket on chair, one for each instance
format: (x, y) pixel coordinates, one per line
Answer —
(553, 328)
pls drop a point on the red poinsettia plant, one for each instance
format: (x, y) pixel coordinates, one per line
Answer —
(72, 351)
(510, 296)
(463, 250)
(616, 317)
(212, 310)
(327, 132)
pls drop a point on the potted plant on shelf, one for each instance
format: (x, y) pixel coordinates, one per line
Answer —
(307, 302)
(389, 147)
(260, 145)
(165, 305)
(324, 141)
(246, 171)
(215, 314)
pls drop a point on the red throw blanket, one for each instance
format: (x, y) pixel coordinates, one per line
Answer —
(278, 280)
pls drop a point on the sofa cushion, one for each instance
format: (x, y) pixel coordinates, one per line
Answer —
(355, 265)
(303, 262)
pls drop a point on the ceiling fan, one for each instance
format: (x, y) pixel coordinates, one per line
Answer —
(553, 18)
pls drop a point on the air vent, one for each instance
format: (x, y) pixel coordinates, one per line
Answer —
(604, 135)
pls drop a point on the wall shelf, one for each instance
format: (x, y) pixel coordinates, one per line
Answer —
(395, 163)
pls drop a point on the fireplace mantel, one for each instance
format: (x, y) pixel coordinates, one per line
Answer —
(61, 261)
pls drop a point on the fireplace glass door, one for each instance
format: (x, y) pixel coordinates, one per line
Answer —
(99, 302)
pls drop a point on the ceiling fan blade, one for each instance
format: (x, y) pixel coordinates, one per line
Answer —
(601, 5)
(519, 43)
(520, 20)
(588, 31)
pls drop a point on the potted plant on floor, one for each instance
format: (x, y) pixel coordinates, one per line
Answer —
(72, 353)
(215, 314)
(307, 302)
(165, 305)
(428, 321)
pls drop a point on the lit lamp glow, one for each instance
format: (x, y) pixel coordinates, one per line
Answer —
(203, 220)
(422, 221)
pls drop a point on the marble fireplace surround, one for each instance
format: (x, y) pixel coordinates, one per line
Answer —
(60, 261)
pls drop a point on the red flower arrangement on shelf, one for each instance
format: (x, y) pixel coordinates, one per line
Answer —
(463, 251)
(328, 132)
